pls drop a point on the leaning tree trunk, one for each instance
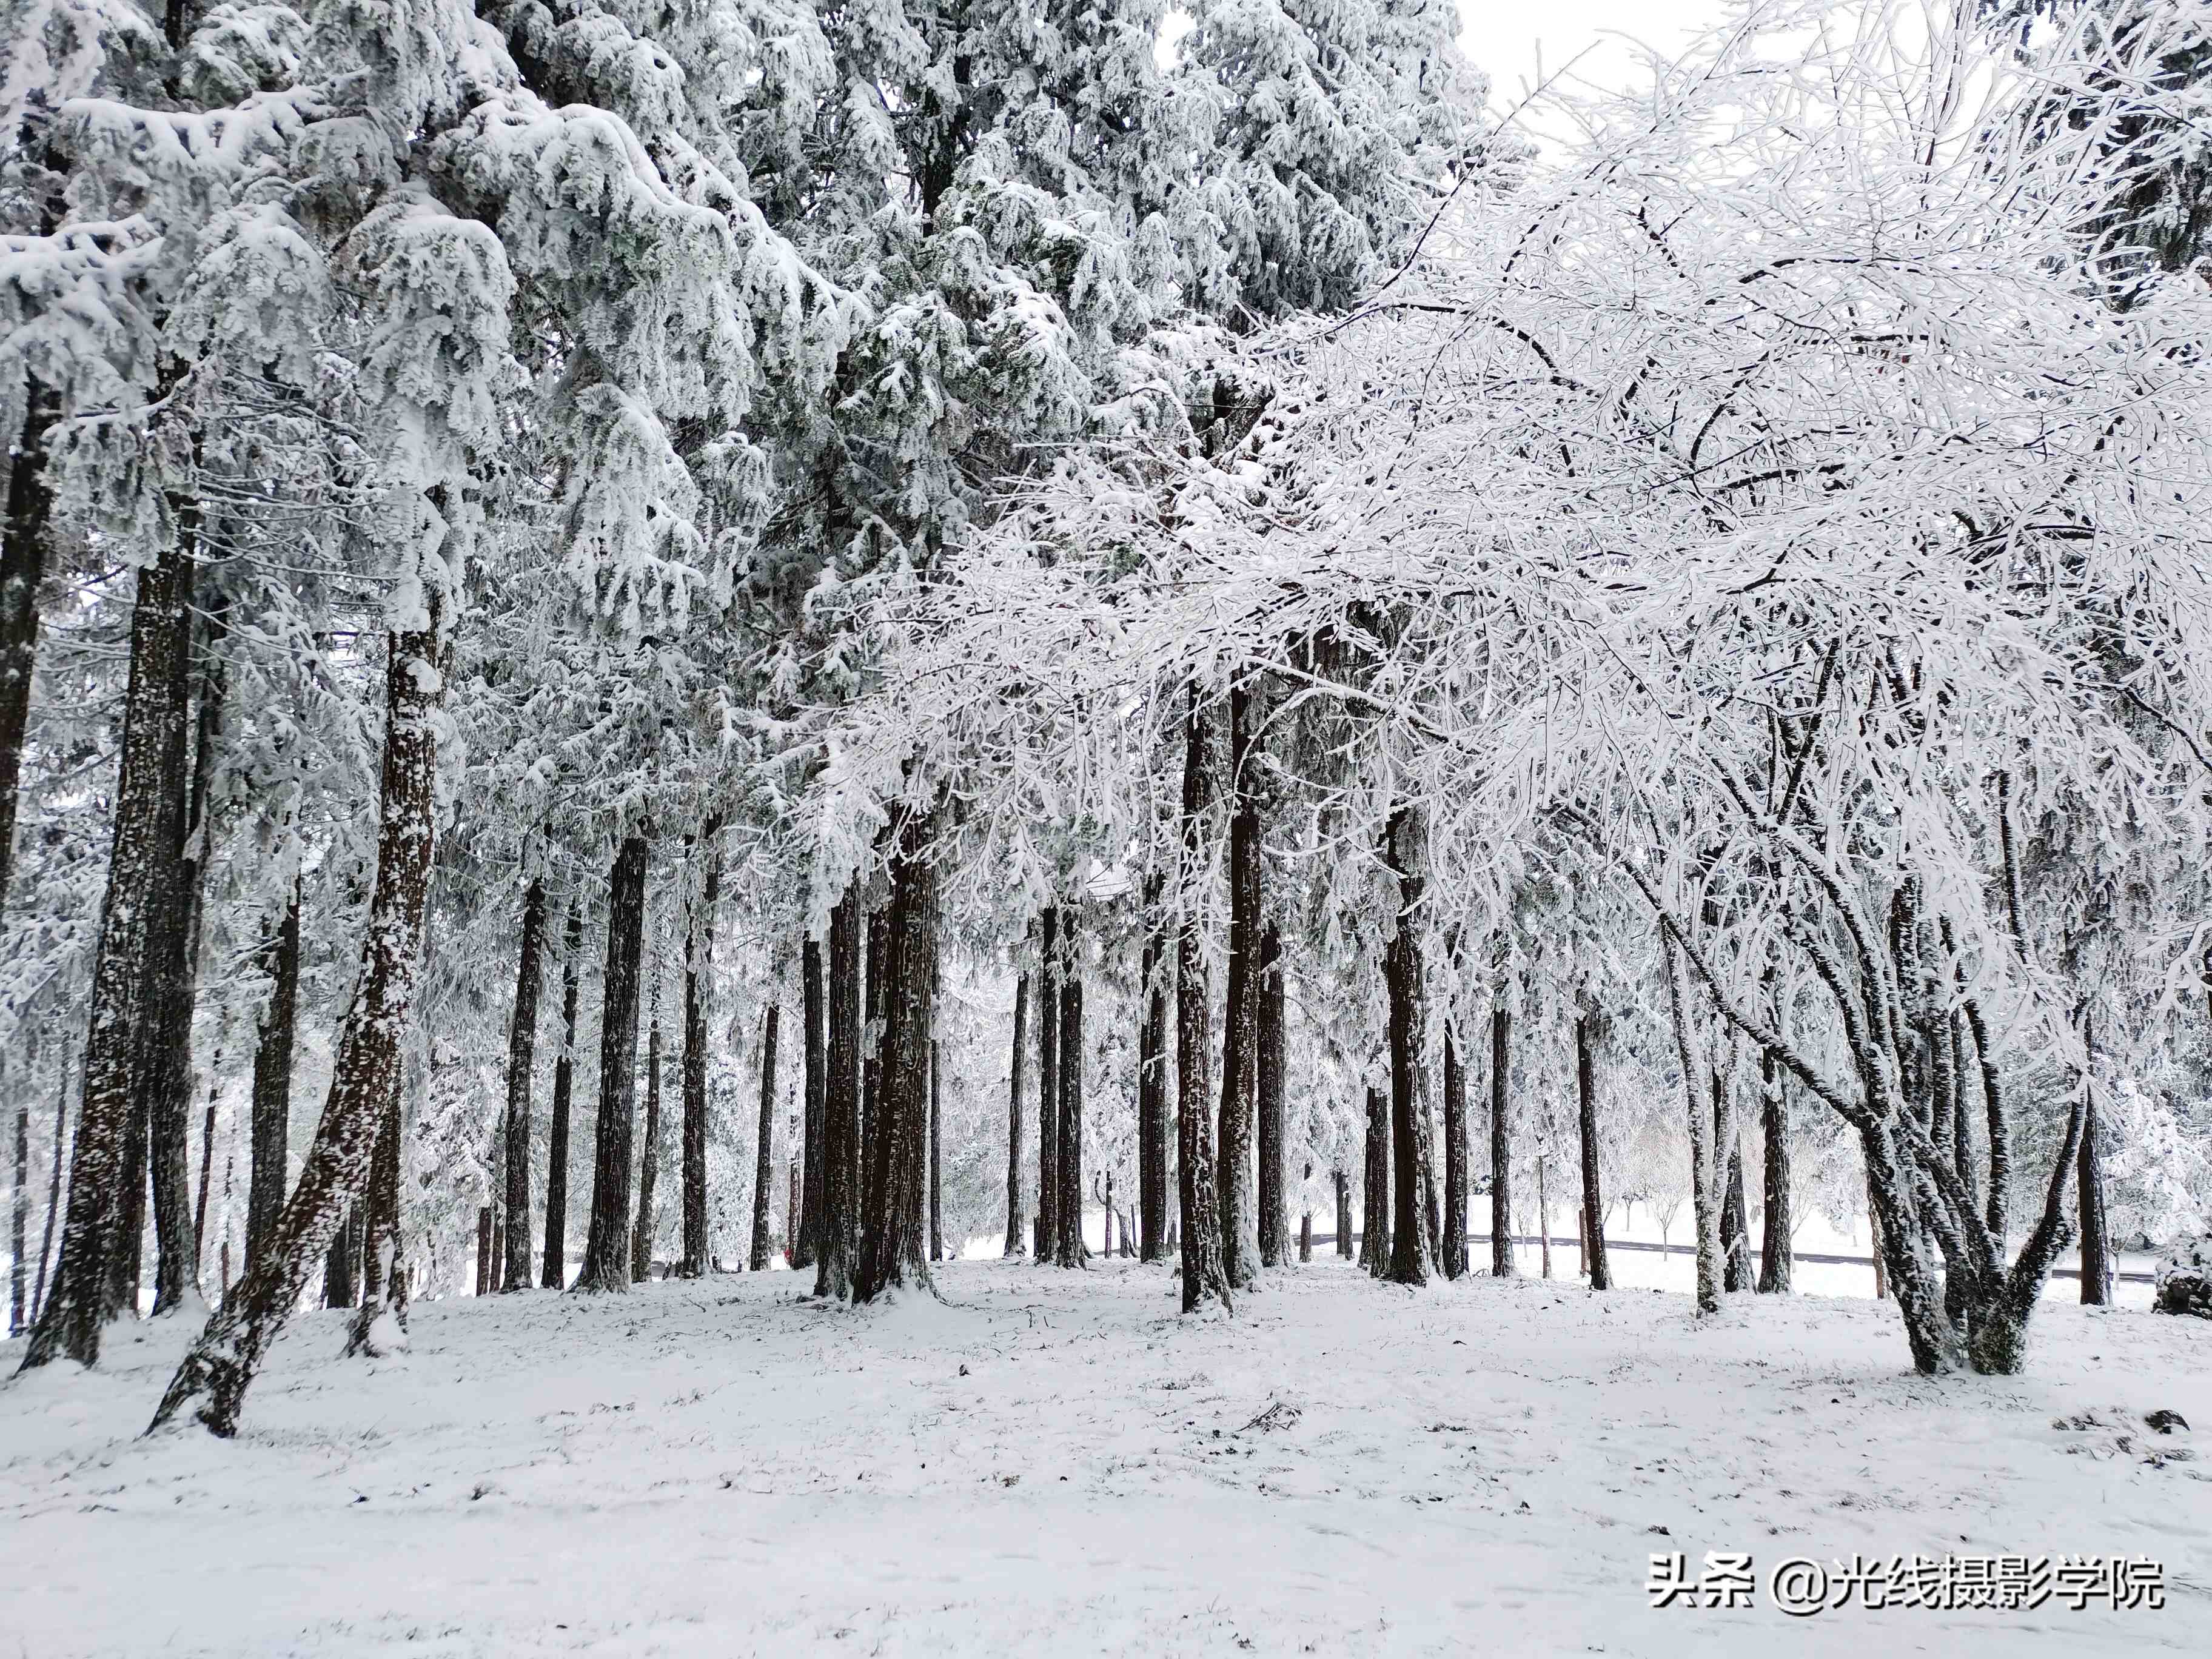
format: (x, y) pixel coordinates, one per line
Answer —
(98, 1235)
(1774, 1256)
(1198, 1217)
(606, 1244)
(1067, 1174)
(1048, 1087)
(22, 568)
(211, 1383)
(1240, 1241)
(765, 1150)
(648, 1165)
(1601, 1275)
(1014, 1241)
(698, 985)
(272, 1127)
(816, 1081)
(1403, 980)
(1501, 1144)
(1374, 1191)
(554, 1274)
(387, 1295)
(841, 1106)
(1153, 1092)
(891, 1244)
(1453, 1259)
(1274, 1218)
(522, 1057)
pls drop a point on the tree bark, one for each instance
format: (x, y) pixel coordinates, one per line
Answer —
(213, 1380)
(20, 1224)
(1047, 1222)
(648, 1165)
(1240, 1242)
(22, 568)
(1403, 981)
(936, 1151)
(1375, 1187)
(1774, 1256)
(2089, 1202)
(388, 1292)
(555, 1273)
(1199, 1218)
(1153, 1091)
(1501, 1144)
(1274, 1216)
(272, 1126)
(1735, 1220)
(872, 1051)
(1068, 1249)
(891, 1243)
(1454, 1257)
(486, 1275)
(606, 1244)
(764, 1151)
(53, 1185)
(521, 1058)
(816, 1081)
(98, 1270)
(1600, 1274)
(841, 1145)
(698, 987)
(1014, 1244)
(1705, 1197)
(1343, 1213)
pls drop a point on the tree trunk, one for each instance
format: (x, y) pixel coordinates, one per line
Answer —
(1153, 1088)
(554, 1274)
(20, 1224)
(1068, 1249)
(648, 1166)
(1305, 1238)
(98, 1268)
(1240, 1243)
(1454, 1258)
(387, 1291)
(1199, 1218)
(816, 1081)
(1774, 1256)
(841, 1143)
(1600, 1274)
(891, 1244)
(1735, 1220)
(1543, 1217)
(1705, 1197)
(1501, 1145)
(698, 987)
(1274, 1216)
(1014, 1243)
(53, 1185)
(764, 1151)
(486, 1277)
(1375, 1189)
(2089, 1205)
(1402, 980)
(272, 1127)
(365, 1071)
(1343, 1213)
(936, 1151)
(521, 1057)
(22, 568)
(872, 1051)
(606, 1244)
(1047, 1234)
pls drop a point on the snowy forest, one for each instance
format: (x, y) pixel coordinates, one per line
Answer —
(818, 665)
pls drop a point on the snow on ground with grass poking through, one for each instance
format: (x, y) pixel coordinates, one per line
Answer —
(1052, 1462)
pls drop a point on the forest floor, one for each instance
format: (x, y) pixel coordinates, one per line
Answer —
(1053, 1462)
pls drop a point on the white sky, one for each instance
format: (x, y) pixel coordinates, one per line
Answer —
(1503, 37)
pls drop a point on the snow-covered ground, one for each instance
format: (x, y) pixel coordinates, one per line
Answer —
(1056, 1463)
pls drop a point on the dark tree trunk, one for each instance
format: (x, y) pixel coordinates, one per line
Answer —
(606, 1244)
(1067, 1175)
(1240, 1243)
(1375, 1222)
(764, 1151)
(207, 1169)
(816, 1081)
(365, 1070)
(19, 1240)
(339, 1267)
(936, 1152)
(1600, 1274)
(521, 1057)
(698, 986)
(22, 568)
(1274, 1216)
(2089, 1201)
(554, 1274)
(486, 1256)
(1501, 1145)
(97, 1276)
(1048, 1223)
(1014, 1241)
(1453, 1242)
(841, 1108)
(1199, 1217)
(1403, 979)
(891, 1244)
(272, 1127)
(648, 1166)
(872, 1051)
(53, 1185)
(1774, 1258)
(1343, 1213)
(1153, 1092)
(386, 1280)
(1735, 1220)
(1305, 1238)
